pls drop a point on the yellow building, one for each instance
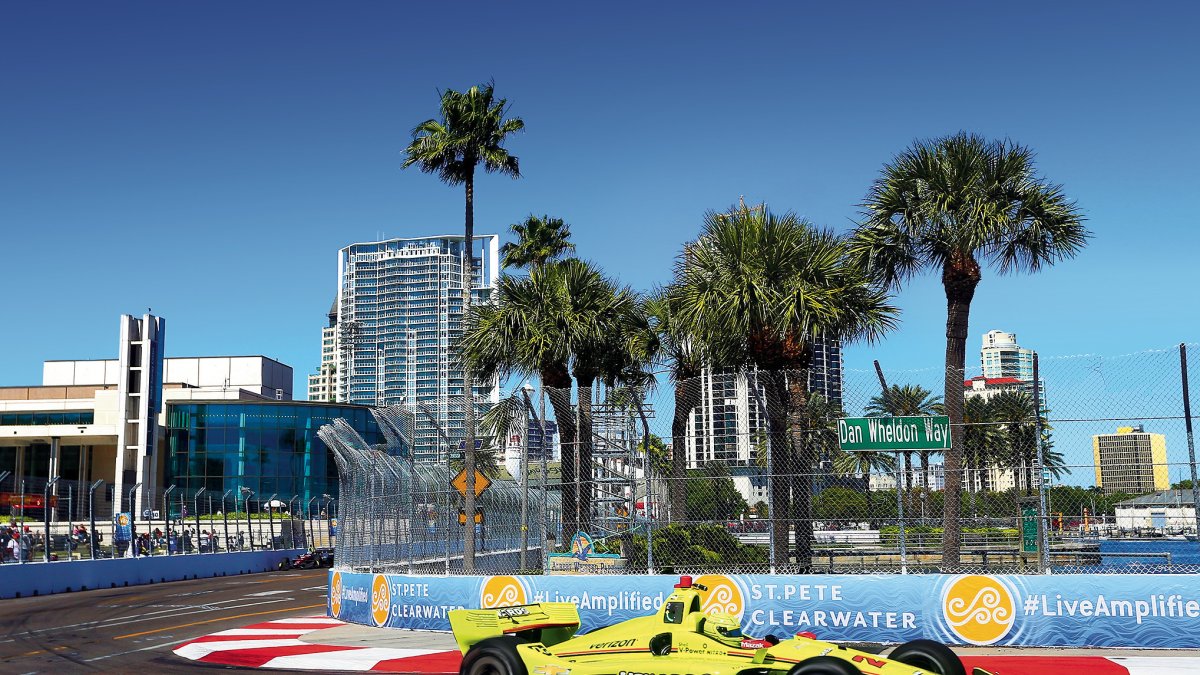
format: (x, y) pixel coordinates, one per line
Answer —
(1131, 461)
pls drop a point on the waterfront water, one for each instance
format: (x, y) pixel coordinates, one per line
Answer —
(1182, 552)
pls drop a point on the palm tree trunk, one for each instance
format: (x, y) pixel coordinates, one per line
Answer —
(558, 390)
(959, 277)
(683, 407)
(583, 468)
(468, 381)
(780, 506)
(802, 468)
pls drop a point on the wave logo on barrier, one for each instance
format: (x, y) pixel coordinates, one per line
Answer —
(979, 609)
(381, 600)
(335, 595)
(723, 595)
(502, 592)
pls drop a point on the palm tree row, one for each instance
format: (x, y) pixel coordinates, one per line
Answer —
(751, 293)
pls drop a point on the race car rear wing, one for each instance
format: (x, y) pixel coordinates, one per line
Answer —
(545, 622)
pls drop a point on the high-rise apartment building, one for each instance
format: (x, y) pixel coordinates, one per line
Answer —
(1131, 461)
(728, 417)
(322, 384)
(1001, 356)
(398, 311)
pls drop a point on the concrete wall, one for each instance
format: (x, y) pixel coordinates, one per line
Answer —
(31, 579)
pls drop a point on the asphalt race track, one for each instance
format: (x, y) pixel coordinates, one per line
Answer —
(134, 629)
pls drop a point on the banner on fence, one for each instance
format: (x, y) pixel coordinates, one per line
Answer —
(1140, 611)
(122, 531)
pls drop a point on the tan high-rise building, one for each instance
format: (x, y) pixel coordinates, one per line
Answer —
(1131, 461)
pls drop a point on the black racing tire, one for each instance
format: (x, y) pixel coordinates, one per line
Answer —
(824, 665)
(493, 656)
(929, 655)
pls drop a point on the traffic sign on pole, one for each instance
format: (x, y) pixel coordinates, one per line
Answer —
(460, 483)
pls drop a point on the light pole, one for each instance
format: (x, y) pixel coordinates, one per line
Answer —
(329, 516)
(132, 520)
(46, 513)
(92, 539)
(525, 391)
(271, 517)
(312, 524)
(196, 507)
(292, 519)
(225, 515)
(167, 516)
(247, 493)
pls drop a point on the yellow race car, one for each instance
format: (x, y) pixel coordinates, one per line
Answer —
(540, 639)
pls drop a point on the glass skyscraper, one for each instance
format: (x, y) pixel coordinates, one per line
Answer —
(398, 311)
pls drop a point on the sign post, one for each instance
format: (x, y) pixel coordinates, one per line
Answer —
(894, 434)
(1030, 526)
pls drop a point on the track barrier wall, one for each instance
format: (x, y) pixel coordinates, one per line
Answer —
(33, 579)
(1134, 611)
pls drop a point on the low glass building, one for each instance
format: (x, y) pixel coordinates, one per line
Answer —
(270, 448)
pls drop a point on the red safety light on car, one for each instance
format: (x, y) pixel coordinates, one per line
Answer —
(685, 581)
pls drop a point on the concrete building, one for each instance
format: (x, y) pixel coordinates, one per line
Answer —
(398, 310)
(1167, 511)
(142, 422)
(1131, 461)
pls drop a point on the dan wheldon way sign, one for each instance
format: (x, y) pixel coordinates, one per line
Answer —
(893, 433)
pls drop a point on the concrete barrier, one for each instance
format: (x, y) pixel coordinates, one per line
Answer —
(31, 579)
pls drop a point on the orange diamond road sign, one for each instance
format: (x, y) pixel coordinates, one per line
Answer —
(460, 483)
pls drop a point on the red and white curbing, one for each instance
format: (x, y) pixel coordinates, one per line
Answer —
(277, 644)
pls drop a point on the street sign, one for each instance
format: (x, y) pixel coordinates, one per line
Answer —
(1029, 526)
(891, 434)
(462, 445)
(460, 483)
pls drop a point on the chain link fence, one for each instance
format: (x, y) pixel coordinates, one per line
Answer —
(743, 472)
(64, 520)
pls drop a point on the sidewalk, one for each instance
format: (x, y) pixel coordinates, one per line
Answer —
(321, 643)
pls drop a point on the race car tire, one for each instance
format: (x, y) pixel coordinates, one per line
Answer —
(824, 665)
(929, 655)
(493, 656)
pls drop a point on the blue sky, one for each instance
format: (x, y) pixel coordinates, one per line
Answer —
(208, 159)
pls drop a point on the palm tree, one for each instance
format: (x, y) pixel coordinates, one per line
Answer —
(946, 204)
(862, 464)
(906, 401)
(471, 132)
(601, 314)
(754, 290)
(678, 352)
(520, 330)
(556, 323)
(981, 437)
(539, 240)
(1014, 412)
